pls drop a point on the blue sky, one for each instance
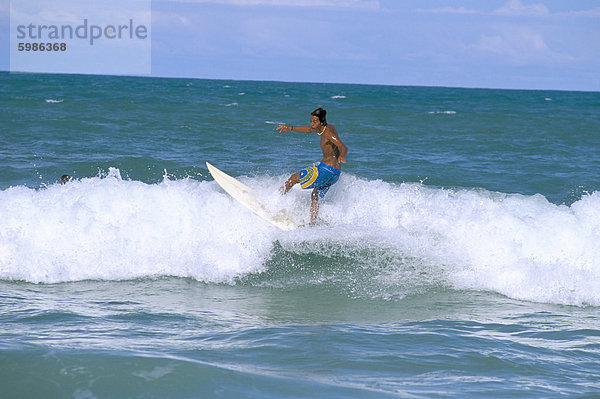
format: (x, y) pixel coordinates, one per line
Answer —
(521, 44)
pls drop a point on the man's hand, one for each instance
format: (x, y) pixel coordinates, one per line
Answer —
(284, 128)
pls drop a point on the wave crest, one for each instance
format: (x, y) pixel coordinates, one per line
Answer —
(376, 240)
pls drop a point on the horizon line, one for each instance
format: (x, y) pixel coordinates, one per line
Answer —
(304, 82)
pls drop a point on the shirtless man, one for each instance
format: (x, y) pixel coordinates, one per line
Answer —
(325, 174)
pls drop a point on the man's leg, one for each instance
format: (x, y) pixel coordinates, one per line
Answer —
(294, 179)
(314, 206)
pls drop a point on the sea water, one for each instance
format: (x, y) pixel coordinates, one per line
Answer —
(457, 256)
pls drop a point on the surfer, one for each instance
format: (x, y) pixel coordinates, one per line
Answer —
(322, 176)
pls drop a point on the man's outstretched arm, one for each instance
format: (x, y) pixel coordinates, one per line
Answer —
(301, 129)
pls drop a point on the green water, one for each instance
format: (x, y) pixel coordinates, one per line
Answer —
(456, 256)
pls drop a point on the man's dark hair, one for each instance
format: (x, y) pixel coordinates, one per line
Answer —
(64, 179)
(321, 114)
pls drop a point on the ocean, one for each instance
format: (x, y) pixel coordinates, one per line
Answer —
(457, 256)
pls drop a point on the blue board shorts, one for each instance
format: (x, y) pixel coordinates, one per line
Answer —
(320, 177)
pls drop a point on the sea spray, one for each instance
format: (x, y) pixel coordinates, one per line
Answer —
(114, 229)
(520, 246)
(388, 237)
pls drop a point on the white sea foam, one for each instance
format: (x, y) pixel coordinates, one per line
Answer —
(338, 97)
(442, 112)
(520, 246)
(53, 101)
(107, 228)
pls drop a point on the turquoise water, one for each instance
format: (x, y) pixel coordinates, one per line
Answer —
(456, 257)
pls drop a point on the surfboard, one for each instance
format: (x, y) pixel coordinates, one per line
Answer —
(249, 198)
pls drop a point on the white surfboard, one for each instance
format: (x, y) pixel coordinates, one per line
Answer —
(248, 197)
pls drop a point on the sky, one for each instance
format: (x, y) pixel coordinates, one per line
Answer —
(512, 44)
